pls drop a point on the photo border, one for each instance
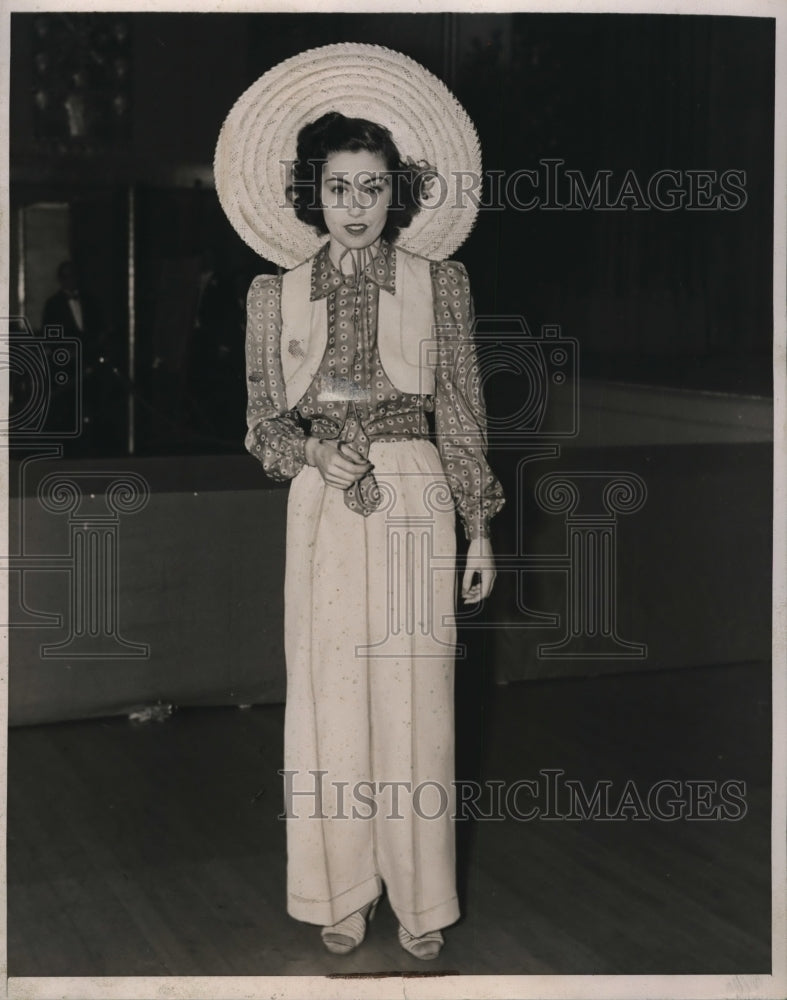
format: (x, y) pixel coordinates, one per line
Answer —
(426, 985)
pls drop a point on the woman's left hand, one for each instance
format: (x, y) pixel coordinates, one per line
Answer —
(480, 560)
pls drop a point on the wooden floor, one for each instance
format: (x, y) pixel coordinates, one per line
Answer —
(155, 849)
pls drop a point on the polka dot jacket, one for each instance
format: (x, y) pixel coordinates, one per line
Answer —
(371, 407)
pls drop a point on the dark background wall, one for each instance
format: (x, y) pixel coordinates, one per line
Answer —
(201, 572)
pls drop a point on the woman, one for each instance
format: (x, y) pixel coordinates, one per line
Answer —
(349, 355)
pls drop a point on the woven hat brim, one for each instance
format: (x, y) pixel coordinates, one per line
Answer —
(258, 141)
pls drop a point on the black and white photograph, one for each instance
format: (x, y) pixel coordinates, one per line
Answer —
(393, 474)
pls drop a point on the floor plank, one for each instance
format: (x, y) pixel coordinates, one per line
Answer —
(157, 849)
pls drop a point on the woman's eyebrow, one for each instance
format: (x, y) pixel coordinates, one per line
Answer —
(363, 177)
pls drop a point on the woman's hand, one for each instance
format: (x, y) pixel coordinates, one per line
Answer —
(480, 560)
(339, 469)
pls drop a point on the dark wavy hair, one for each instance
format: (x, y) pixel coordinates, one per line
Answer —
(335, 133)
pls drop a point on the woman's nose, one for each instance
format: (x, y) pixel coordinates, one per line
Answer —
(356, 206)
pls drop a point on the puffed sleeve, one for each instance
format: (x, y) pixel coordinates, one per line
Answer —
(274, 435)
(460, 414)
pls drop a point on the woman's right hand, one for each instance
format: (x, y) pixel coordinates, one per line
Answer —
(339, 469)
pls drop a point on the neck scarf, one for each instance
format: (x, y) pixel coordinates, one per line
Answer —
(364, 494)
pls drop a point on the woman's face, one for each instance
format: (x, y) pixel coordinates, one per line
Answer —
(356, 196)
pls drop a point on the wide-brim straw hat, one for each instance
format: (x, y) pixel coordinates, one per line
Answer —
(257, 146)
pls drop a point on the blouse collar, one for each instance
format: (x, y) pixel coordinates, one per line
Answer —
(326, 277)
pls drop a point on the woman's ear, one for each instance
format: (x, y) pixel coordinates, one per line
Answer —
(424, 185)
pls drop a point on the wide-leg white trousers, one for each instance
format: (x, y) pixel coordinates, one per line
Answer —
(369, 724)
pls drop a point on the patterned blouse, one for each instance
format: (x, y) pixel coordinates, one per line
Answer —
(351, 398)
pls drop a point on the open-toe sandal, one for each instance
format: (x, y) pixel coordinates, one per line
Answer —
(426, 947)
(344, 937)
